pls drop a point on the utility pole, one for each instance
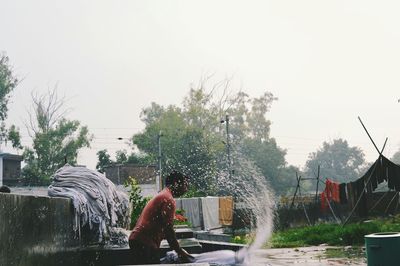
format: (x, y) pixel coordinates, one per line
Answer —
(228, 145)
(159, 183)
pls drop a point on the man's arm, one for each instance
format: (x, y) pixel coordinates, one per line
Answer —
(168, 213)
(171, 238)
(183, 255)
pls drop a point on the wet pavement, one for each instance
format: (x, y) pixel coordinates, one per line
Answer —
(305, 256)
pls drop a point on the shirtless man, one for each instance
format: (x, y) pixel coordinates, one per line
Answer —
(157, 222)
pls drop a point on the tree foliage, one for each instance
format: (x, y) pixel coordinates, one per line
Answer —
(338, 161)
(103, 160)
(270, 159)
(185, 147)
(194, 139)
(15, 137)
(8, 82)
(121, 157)
(56, 140)
(396, 157)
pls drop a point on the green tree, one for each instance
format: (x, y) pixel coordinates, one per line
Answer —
(140, 159)
(396, 157)
(193, 138)
(270, 159)
(56, 140)
(8, 82)
(186, 148)
(103, 160)
(338, 161)
(121, 157)
(15, 137)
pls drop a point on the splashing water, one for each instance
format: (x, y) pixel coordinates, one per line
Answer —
(251, 190)
(249, 187)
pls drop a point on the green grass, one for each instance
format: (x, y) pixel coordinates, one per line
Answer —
(333, 234)
(346, 253)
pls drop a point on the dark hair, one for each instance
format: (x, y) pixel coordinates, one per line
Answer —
(5, 189)
(174, 177)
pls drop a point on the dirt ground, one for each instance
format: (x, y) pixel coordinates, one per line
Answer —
(307, 256)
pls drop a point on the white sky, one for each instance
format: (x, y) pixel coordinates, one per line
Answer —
(327, 62)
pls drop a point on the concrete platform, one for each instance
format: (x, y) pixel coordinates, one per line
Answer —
(208, 246)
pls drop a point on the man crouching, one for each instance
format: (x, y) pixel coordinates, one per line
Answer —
(157, 222)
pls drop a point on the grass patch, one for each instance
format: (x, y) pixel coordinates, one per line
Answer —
(346, 253)
(333, 234)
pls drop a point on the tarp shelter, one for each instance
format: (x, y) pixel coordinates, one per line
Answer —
(382, 170)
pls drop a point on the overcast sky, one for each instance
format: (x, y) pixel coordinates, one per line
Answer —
(327, 62)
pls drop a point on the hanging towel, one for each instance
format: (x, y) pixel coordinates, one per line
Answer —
(192, 208)
(226, 210)
(334, 189)
(331, 192)
(178, 203)
(210, 206)
(324, 203)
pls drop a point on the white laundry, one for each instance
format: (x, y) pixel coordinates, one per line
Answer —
(95, 198)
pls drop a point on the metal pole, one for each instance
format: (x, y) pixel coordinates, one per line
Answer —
(369, 135)
(160, 184)
(228, 151)
(297, 187)
(316, 192)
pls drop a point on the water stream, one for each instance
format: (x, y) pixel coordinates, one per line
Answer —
(251, 191)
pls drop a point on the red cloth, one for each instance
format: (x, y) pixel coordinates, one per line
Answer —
(331, 192)
(324, 203)
(156, 216)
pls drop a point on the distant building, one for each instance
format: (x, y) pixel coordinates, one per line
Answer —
(145, 175)
(10, 169)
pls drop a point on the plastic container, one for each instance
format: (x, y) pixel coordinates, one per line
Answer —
(383, 249)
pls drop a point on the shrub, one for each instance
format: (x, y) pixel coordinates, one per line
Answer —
(136, 199)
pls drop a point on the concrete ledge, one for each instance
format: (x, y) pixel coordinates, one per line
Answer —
(31, 226)
(204, 235)
(214, 245)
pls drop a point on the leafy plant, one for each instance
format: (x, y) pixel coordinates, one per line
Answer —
(241, 239)
(136, 199)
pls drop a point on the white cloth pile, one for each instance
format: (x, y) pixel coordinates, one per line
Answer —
(95, 198)
(220, 257)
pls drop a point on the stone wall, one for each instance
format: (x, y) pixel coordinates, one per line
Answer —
(118, 174)
(36, 228)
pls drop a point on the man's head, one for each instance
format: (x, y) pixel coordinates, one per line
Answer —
(177, 183)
